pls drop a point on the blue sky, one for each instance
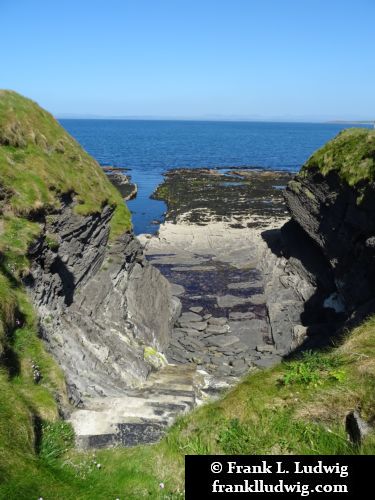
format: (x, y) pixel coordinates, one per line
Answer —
(257, 59)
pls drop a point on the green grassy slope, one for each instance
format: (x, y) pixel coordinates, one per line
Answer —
(297, 407)
(39, 161)
(351, 154)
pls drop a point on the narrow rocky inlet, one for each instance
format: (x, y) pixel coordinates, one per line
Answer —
(237, 314)
(241, 296)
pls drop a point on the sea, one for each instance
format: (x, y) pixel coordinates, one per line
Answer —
(149, 148)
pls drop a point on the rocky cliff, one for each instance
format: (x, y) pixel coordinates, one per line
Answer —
(65, 234)
(100, 305)
(332, 201)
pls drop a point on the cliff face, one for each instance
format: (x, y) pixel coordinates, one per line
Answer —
(332, 200)
(99, 305)
(65, 234)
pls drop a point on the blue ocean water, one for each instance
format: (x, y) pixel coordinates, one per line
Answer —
(150, 147)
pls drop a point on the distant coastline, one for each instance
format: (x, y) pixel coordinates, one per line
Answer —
(223, 119)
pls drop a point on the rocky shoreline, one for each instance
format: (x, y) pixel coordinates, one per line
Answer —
(237, 304)
(241, 303)
(243, 287)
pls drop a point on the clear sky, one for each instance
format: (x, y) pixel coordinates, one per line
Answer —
(257, 59)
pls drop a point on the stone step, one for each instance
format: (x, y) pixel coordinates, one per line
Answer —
(141, 415)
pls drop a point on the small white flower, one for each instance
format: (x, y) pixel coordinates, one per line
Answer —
(98, 466)
(161, 486)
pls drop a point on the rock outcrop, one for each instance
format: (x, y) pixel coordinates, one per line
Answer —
(100, 304)
(332, 200)
(122, 182)
(65, 235)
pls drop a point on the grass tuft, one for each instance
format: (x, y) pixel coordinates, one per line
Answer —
(351, 154)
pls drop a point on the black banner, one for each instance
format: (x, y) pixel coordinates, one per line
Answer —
(279, 476)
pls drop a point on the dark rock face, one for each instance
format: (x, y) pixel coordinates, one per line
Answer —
(356, 428)
(122, 182)
(99, 304)
(341, 221)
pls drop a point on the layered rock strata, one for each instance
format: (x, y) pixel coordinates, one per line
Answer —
(100, 304)
(340, 220)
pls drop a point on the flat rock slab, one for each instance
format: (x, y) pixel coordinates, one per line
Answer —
(258, 299)
(232, 300)
(182, 332)
(241, 315)
(190, 317)
(217, 321)
(240, 286)
(142, 415)
(223, 340)
(177, 290)
(196, 309)
(250, 331)
(197, 325)
(216, 329)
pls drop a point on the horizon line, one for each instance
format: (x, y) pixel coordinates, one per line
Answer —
(71, 116)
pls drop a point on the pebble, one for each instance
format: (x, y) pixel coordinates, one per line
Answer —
(196, 309)
(224, 370)
(216, 330)
(188, 317)
(217, 321)
(223, 340)
(241, 315)
(197, 325)
(238, 363)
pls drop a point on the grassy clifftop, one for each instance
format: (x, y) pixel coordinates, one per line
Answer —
(351, 154)
(40, 161)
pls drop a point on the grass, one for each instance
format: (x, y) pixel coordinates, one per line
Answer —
(40, 161)
(351, 154)
(298, 407)
(313, 369)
